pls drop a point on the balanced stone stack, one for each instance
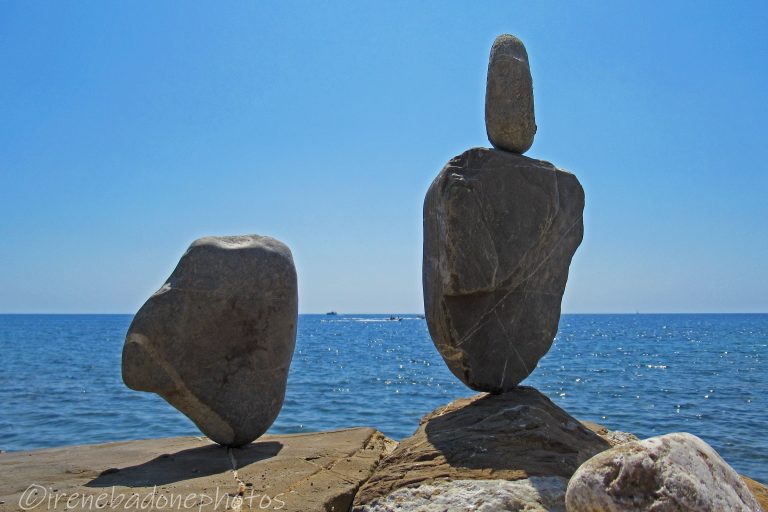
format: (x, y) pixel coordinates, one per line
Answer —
(217, 339)
(500, 230)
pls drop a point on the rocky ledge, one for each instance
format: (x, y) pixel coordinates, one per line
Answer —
(513, 451)
(299, 472)
(519, 451)
(520, 436)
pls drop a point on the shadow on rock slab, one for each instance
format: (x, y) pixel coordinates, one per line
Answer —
(521, 431)
(512, 436)
(185, 465)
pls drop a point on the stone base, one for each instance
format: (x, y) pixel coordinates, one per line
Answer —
(502, 451)
(514, 436)
(300, 472)
(492, 453)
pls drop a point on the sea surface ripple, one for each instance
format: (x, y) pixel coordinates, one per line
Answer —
(60, 379)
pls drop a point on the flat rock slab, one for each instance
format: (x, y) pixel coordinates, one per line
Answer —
(299, 472)
(512, 436)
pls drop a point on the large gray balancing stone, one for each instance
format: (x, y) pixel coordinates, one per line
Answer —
(217, 339)
(500, 230)
(509, 118)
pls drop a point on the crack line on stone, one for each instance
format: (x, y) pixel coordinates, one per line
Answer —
(488, 229)
(512, 346)
(550, 220)
(547, 226)
(514, 349)
(237, 502)
(504, 371)
(330, 470)
(330, 466)
(509, 58)
(485, 317)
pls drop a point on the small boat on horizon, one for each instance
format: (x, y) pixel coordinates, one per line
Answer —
(332, 313)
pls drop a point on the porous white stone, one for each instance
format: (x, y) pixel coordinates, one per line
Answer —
(535, 494)
(675, 472)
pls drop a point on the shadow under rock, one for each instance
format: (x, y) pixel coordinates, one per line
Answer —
(185, 465)
(518, 431)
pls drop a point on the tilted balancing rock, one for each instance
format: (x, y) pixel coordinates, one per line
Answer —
(217, 339)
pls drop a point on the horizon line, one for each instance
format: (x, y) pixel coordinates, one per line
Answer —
(327, 313)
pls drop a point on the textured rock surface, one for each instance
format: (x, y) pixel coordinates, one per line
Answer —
(499, 233)
(307, 472)
(535, 494)
(217, 339)
(614, 437)
(509, 116)
(759, 491)
(513, 436)
(674, 472)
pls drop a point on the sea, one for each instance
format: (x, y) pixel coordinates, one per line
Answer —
(60, 380)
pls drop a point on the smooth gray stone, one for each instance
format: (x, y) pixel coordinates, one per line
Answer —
(509, 117)
(500, 230)
(217, 339)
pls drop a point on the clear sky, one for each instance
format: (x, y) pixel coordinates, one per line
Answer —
(128, 129)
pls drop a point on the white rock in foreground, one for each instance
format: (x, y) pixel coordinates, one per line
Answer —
(674, 472)
(535, 494)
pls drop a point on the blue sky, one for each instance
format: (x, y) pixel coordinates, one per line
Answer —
(131, 128)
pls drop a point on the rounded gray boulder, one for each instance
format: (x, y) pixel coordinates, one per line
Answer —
(509, 118)
(216, 340)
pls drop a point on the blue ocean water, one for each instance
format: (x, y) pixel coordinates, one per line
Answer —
(648, 374)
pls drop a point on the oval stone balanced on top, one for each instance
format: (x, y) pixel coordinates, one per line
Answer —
(217, 339)
(500, 230)
(509, 117)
